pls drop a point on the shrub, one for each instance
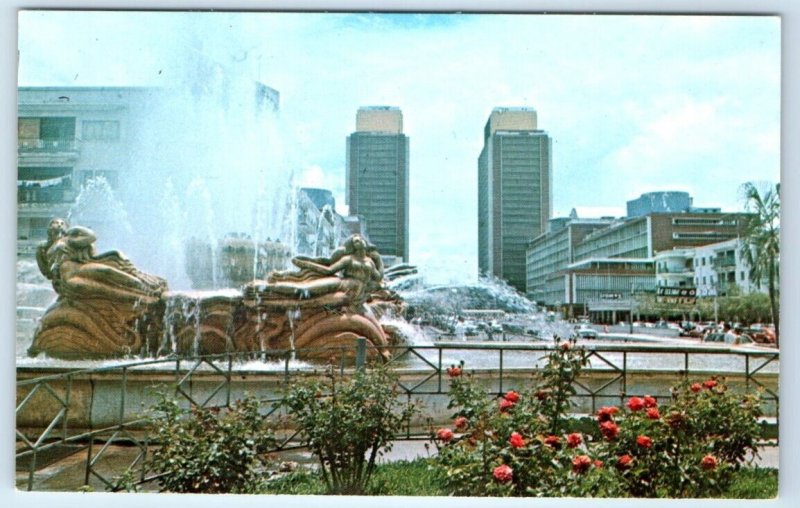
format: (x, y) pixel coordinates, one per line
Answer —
(347, 423)
(522, 444)
(210, 450)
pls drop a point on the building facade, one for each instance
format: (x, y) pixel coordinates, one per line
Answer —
(721, 268)
(377, 177)
(551, 253)
(514, 192)
(613, 260)
(67, 136)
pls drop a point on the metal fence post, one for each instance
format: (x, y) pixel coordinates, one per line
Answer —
(361, 352)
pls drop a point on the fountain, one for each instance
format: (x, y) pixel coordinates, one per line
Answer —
(107, 308)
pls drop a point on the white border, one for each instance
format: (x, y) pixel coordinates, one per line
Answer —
(790, 321)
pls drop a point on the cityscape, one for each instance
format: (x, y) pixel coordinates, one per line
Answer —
(238, 230)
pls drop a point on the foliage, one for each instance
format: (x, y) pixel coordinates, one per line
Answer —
(762, 242)
(210, 450)
(522, 445)
(689, 448)
(347, 423)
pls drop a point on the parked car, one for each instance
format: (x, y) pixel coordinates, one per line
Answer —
(761, 333)
(496, 327)
(695, 333)
(585, 332)
(728, 338)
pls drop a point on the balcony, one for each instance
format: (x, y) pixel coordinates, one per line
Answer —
(45, 195)
(36, 146)
(724, 262)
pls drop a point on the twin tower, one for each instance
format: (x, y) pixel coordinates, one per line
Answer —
(514, 186)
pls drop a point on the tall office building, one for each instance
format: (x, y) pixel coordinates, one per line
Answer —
(514, 192)
(377, 178)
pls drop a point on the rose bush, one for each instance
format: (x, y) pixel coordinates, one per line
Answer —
(210, 450)
(521, 443)
(347, 423)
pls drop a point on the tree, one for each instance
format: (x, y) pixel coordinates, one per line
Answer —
(761, 242)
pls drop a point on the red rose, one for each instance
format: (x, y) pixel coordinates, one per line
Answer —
(581, 463)
(512, 396)
(598, 463)
(505, 405)
(553, 441)
(635, 404)
(644, 441)
(650, 401)
(605, 414)
(503, 473)
(624, 462)
(444, 435)
(565, 346)
(709, 462)
(696, 387)
(461, 422)
(516, 440)
(609, 429)
(653, 413)
(542, 395)
(711, 383)
(574, 440)
(454, 371)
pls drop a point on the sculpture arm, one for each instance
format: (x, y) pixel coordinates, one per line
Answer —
(42, 261)
(80, 237)
(316, 267)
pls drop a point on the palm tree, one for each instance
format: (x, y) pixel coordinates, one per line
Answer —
(761, 243)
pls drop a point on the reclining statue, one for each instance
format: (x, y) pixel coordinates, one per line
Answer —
(347, 277)
(100, 297)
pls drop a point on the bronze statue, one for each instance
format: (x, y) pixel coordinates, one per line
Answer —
(102, 299)
(77, 272)
(55, 230)
(106, 307)
(347, 277)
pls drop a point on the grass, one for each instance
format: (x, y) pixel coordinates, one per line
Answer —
(754, 483)
(402, 478)
(421, 478)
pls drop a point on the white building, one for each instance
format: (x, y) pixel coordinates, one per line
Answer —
(719, 267)
(712, 269)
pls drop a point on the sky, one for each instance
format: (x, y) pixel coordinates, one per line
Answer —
(632, 103)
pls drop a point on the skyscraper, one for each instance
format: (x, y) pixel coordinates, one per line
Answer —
(514, 192)
(377, 177)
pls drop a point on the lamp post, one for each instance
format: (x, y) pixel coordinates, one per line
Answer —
(630, 319)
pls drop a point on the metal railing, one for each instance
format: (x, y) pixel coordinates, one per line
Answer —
(115, 391)
(26, 145)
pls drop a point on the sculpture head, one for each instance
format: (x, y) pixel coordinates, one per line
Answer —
(356, 243)
(56, 228)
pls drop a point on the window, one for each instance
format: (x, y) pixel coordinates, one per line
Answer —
(100, 130)
(704, 281)
(741, 276)
(704, 264)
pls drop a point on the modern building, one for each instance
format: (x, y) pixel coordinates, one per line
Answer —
(606, 290)
(67, 136)
(377, 177)
(514, 192)
(552, 252)
(674, 269)
(664, 202)
(615, 259)
(643, 237)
